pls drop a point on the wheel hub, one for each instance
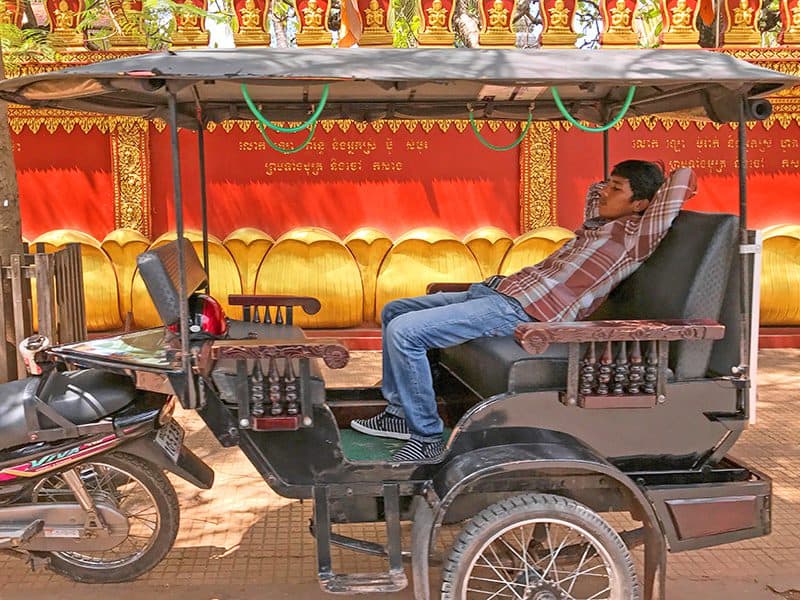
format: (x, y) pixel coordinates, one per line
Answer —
(544, 590)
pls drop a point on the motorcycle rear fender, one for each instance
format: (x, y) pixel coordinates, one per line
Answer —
(189, 466)
(536, 456)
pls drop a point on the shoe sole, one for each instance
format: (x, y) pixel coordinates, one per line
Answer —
(378, 433)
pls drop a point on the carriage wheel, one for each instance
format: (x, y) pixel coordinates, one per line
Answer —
(539, 547)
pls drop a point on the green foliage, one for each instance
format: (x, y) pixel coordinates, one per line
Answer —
(650, 23)
(25, 45)
(155, 23)
(405, 24)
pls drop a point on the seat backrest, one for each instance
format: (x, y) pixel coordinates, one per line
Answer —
(161, 276)
(689, 276)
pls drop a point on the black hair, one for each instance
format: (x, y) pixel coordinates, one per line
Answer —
(644, 177)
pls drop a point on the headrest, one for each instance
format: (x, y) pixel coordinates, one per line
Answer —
(161, 276)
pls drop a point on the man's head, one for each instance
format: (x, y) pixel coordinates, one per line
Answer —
(631, 186)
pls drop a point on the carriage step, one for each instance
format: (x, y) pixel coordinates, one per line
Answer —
(14, 537)
(364, 583)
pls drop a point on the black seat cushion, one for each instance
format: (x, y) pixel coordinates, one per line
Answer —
(494, 365)
(80, 396)
(687, 277)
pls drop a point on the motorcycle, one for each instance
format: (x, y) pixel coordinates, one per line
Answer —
(82, 460)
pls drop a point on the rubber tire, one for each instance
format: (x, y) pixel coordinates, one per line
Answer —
(500, 515)
(166, 500)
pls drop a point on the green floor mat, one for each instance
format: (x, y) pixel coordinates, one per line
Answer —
(360, 447)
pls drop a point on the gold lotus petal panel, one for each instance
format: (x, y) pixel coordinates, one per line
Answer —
(312, 261)
(248, 246)
(100, 286)
(489, 245)
(533, 247)
(420, 257)
(780, 276)
(123, 246)
(369, 247)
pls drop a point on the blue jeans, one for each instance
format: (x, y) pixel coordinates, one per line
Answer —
(412, 326)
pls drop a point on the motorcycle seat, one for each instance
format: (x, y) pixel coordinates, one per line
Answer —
(81, 397)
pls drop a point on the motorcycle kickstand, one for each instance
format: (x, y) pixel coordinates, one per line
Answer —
(95, 524)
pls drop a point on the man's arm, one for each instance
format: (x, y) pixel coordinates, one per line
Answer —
(592, 208)
(664, 207)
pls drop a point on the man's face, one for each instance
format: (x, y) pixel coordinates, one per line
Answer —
(616, 199)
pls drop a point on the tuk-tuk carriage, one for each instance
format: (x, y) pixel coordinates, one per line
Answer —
(633, 411)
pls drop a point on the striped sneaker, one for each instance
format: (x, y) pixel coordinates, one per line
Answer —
(383, 425)
(417, 451)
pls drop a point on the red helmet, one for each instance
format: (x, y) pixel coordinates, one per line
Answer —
(206, 317)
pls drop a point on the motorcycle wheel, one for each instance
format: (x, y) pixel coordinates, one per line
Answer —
(139, 490)
(539, 546)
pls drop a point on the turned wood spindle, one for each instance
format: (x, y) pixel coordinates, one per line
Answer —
(274, 380)
(292, 405)
(636, 371)
(621, 370)
(257, 390)
(651, 369)
(588, 371)
(604, 371)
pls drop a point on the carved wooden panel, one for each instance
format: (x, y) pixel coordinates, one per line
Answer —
(330, 351)
(536, 337)
(310, 305)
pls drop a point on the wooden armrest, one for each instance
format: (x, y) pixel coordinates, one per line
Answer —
(331, 351)
(446, 287)
(536, 337)
(309, 305)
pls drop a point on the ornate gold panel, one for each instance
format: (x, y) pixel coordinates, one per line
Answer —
(130, 163)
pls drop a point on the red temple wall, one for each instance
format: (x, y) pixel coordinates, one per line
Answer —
(427, 178)
(394, 181)
(773, 181)
(65, 181)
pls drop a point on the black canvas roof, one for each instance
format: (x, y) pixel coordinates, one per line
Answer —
(368, 84)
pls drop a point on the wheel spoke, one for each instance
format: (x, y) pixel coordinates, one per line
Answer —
(574, 575)
(603, 591)
(505, 582)
(560, 551)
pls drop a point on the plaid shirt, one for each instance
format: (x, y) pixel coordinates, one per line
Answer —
(573, 281)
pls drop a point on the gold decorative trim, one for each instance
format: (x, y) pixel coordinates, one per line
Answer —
(130, 163)
(33, 119)
(537, 177)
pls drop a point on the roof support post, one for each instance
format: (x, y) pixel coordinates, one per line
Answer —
(605, 155)
(201, 161)
(177, 195)
(746, 258)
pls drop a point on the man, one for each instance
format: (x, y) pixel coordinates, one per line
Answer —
(626, 219)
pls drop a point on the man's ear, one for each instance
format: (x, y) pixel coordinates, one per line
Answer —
(640, 206)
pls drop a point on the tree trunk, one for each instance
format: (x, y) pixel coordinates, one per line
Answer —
(10, 232)
(465, 25)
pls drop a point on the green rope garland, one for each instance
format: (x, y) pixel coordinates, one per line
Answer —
(491, 146)
(277, 148)
(625, 106)
(312, 120)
